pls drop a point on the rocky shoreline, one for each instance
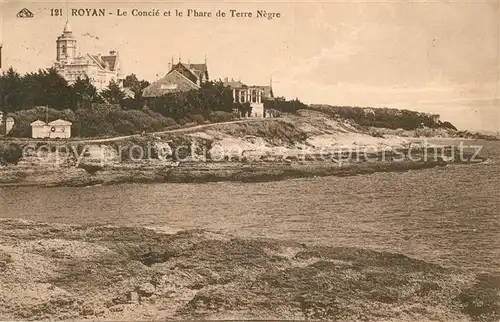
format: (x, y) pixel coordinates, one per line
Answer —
(89, 272)
(276, 149)
(88, 174)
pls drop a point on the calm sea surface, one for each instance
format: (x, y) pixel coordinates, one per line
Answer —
(445, 215)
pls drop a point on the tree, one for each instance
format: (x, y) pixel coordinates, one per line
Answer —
(84, 93)
(211, 97)
(283, 105)
(216, 97)
(11, 91)
(57, 93)
(44, 88)
(113, 94)
(136, 86)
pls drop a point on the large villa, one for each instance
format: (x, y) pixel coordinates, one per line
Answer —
(181, 77)
(187, 76)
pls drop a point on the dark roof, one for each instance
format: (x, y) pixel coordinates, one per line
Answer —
(200, 68)
(234, 84)
(195, 70)
(97, 59)
(267, 90)
(102, 60)
(171, 83)
(111, 60)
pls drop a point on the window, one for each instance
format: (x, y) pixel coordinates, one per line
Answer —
(64, 49)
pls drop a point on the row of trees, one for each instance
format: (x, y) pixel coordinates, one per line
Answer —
(283, 105)
(384, 117)
(48, 88)
(110, 111)
(211, 97)
(98, 120)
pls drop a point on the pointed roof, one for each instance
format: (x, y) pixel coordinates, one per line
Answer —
(38, 123)
(97, 59)
(60, 122)
(201, 68)
(188, 72)
(173, 82)
(101, 61)
(192, 71)
(67, 27)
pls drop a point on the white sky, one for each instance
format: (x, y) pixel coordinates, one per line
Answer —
(440, 57)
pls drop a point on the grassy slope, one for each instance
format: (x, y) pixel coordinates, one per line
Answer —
(57, 271)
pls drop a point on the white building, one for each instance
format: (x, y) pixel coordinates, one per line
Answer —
(255, 95)
(58, 129)
(99, 69)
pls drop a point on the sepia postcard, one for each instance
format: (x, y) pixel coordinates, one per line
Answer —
(250, 160)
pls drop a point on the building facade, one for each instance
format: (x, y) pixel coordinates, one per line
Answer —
(58, 129)
(99, 69)
(253, 94)
(181, 77)
(197, 73)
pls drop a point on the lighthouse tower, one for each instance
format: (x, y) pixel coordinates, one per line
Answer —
(66, 45)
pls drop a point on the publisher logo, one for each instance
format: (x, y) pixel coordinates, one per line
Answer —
(25, 13)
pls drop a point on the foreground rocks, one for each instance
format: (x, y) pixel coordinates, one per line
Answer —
(51, 271)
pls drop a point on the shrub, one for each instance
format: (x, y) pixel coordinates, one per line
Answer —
(10, 153)
(272, 113)
(169, 122)
(220, 116)
(382, 117)
(198, 119)
(99, 120)
(283, 105)
(124, 127)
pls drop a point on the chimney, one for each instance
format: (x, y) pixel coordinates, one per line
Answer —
(112, 52)
(225, 79)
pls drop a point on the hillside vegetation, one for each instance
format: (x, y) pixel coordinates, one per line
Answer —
(119, 109)
(114, 112)
(384, 117)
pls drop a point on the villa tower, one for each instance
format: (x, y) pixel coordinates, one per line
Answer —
(66, 45)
